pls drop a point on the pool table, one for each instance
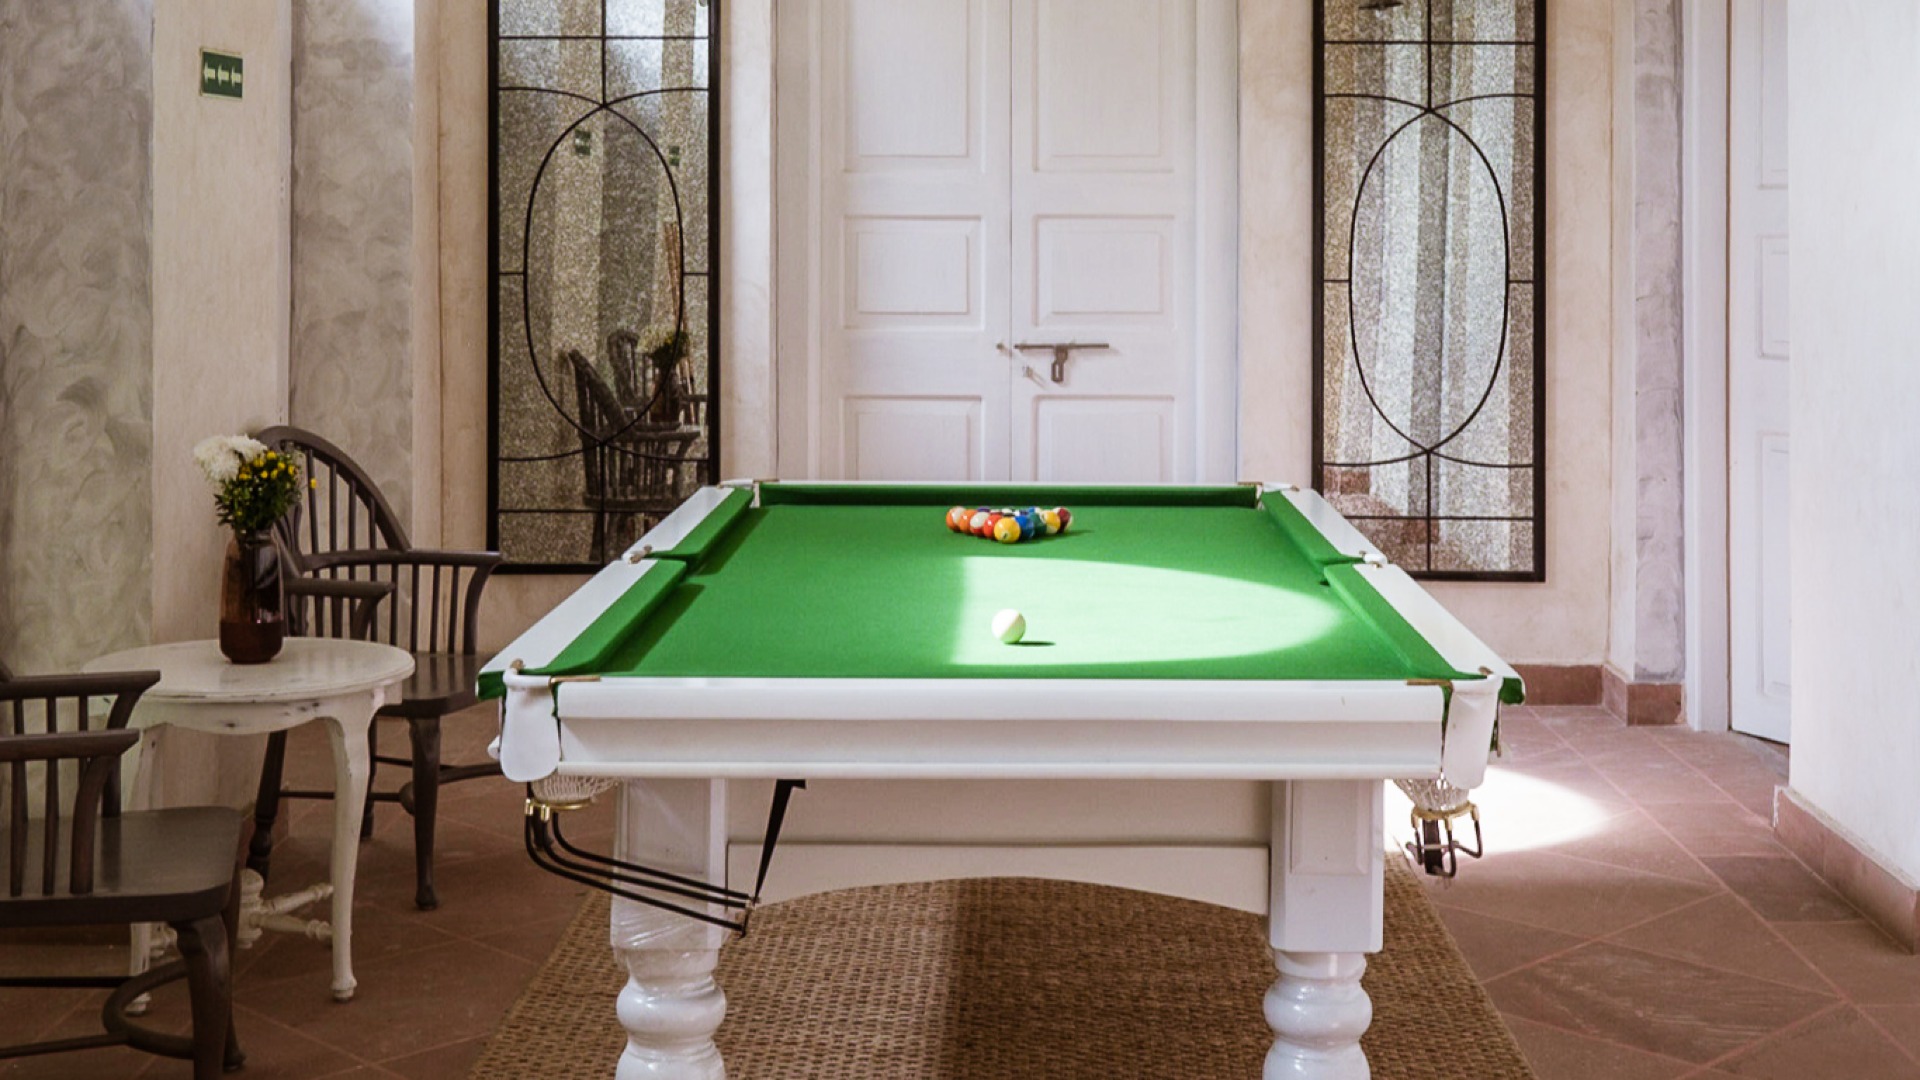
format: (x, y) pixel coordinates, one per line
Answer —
(823, 630)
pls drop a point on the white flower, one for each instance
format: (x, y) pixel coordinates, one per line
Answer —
(220, 456)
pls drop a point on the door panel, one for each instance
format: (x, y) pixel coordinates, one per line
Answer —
(912, 438)
(1104, 440)
(1103, 232)
(1104, 94)
(1097, 270)
(912, 224)
(912, 76)
(1758, 437)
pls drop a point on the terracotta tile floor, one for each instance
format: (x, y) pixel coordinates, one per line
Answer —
(1634, 919)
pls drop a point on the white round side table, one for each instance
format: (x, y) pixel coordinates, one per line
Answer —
(342, 683)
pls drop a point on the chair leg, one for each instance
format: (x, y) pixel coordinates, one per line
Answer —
(266, 805)
(203, 945)
(426, 804)
(373, 766)
(233, 1056)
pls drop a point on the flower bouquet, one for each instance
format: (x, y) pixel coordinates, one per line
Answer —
(253, 487)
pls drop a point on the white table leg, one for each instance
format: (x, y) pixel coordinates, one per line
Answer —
(671, 1005)
(137, 794)
(347, 730)
(1327, 876)
(1318, 1012)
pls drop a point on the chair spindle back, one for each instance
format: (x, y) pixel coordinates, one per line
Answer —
(48, 720)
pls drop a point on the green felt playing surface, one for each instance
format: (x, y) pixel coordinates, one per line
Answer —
(817, 585)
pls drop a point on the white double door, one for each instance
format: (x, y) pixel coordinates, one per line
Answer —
(991, 178)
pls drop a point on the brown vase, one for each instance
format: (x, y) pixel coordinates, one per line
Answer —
(252, 626)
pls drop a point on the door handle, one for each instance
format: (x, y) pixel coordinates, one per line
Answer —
(1062, 352)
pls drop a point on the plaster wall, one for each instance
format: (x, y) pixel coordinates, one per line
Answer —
(351, 364)
(1855, 378)
(76, 331)
(221, 258)
(1648, 623)
(1563, 620)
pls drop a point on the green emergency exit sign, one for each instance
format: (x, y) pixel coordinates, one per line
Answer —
(220, 74)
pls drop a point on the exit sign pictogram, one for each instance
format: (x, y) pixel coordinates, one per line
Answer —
(220, 74)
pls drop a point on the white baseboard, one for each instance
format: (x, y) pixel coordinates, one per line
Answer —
(1232, 876)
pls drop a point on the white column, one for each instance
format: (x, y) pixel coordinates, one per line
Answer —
(1324, 916)
(671, 1005)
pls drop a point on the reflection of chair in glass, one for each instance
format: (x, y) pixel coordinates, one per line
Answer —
(637, 441)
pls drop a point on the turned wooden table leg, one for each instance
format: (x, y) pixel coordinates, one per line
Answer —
(1324, 915)
(670, 1008)
(671, 1005)
(1318, 1012)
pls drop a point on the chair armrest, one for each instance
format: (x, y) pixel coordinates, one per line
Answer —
(97, 684)
(363, 596)
(329, 560)
(68, 745)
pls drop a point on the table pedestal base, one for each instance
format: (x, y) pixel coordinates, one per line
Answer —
(258, 914)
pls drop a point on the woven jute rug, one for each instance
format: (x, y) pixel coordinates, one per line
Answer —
(1011, 979)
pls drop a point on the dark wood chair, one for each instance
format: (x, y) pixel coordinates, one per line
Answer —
(344, 533)
(84, 863)
(637, 455)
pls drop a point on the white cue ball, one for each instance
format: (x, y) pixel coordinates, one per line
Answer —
(1009, 626)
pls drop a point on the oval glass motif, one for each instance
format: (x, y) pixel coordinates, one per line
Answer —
(602, 207)
(1428, 264)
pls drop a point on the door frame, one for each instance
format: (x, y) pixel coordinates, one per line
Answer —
(796, 200)
(1706, 38)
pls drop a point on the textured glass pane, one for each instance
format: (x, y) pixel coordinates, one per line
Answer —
(1429, 403)
(1483, 547)
(549, 17)
(603, 364)
(1394, 71)
(1347, 21)
(1482, 21)
(569, 66)
(547, 538)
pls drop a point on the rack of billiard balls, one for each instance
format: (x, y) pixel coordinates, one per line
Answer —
(1009, 526)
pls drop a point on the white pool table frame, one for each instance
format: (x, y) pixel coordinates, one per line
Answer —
(1325, 745)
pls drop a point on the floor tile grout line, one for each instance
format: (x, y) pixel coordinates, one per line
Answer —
(1803, 1022)
(1726, 971)
(1557, 953)
(1698, 1067)
(1606, 1039)
(482, 1039)
(1765, 922)
(1898, 1044)
(255, 1014)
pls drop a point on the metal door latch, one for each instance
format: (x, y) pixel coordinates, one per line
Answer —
(1062, 352)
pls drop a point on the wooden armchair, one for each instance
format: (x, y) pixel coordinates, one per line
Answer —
(345, 537)
(84, 863)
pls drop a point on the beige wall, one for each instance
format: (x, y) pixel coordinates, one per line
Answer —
(1854, 381)
(221, 249)
(220, 278)
(1564, 620)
